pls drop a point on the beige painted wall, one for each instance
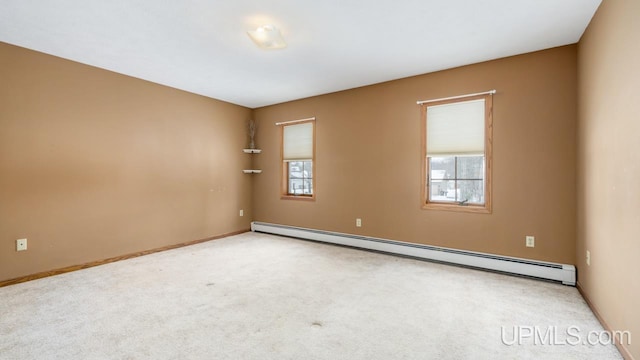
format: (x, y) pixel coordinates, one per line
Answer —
(95, 165)
(609, 165)
(368, 159)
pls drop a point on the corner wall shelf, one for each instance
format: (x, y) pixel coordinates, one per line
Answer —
(252, 151)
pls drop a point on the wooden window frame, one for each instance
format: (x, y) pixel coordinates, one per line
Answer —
(488, 158)
(284, 178)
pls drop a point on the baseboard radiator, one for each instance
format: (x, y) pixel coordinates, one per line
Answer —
(563, 273)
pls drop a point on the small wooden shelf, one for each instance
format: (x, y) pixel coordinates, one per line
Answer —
(252, 171)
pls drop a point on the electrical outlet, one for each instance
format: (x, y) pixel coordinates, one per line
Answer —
(241, 212)
(358, 222)
(530, 241)
(588, 258)
(21, 244)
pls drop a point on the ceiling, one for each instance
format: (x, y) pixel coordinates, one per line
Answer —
(202, 46)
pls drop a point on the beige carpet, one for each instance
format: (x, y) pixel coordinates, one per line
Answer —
(256, 296)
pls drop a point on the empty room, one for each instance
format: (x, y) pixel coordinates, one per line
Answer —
(319, 180)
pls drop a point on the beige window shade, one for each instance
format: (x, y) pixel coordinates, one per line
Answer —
(298, 142)
(456, 129)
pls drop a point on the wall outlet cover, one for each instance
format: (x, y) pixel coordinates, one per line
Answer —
(21, 244)
(530, 241)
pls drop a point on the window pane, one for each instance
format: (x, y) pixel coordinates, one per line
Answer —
(295, 169)
(443, 167)
(300, 187)
(470, 167)
(442, 179)
(471, 191)
(468, 186)
(442, 190)
(308, 168)
(300, 181)
(296, 186)
(308, 187)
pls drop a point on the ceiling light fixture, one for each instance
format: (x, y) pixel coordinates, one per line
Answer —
(267, 37)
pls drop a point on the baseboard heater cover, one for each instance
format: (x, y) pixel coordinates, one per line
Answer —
(538, 269)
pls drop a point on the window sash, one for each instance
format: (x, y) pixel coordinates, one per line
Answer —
(300, 181)
(440, 190)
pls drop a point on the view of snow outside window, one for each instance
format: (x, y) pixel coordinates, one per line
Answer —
(457, 179)
(300, 177)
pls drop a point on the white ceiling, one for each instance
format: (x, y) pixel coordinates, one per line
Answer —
(202, 46)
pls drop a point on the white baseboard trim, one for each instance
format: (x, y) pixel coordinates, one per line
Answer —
(566, 274)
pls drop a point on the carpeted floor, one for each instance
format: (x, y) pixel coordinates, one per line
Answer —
(256, 296)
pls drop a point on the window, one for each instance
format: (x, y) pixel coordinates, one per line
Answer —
(457, 154)
(298, 154)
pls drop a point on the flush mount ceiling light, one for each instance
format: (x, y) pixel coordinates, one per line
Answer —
(267, 37)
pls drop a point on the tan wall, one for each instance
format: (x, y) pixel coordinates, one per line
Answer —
(368, 159)
(95, 165)
(609, 165)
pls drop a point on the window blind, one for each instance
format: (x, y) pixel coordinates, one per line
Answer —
(298, 142)
(456, 129)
